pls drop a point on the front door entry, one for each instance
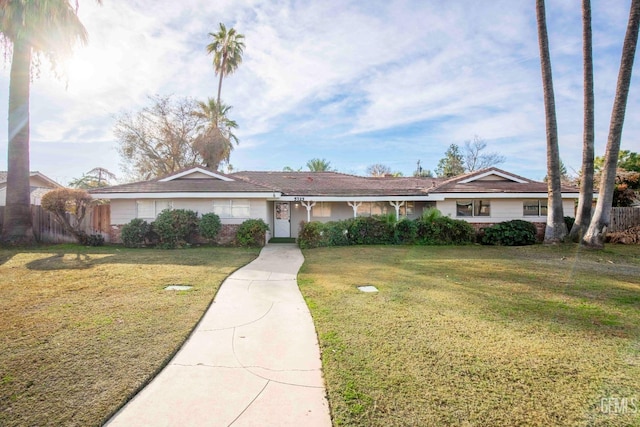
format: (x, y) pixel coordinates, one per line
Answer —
(282, 226)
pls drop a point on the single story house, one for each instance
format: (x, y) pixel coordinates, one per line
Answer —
(285, 199)
(39, 183)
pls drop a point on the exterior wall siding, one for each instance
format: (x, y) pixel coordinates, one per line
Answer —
(123, 211)
(501, 210)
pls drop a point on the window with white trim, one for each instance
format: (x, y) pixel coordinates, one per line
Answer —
(407, 209)
(321, 210)
(534, 207)
(375, 208)
(480, 207)
(232, 208)
(149, 209)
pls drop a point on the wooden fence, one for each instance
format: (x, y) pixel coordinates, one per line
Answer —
(47, 230)
(624, 218)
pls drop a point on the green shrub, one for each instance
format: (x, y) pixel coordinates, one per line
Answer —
(175, 227)
(209, 226)
(370, 231)
(311, 235)
(92, 240)
(336, 233)
(510, 233)
(136, 233)
(569, 221)
(431, 214)
(442, 230)
(405, 231)
(251, 232)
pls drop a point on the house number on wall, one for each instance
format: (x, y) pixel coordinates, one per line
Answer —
(298, 199)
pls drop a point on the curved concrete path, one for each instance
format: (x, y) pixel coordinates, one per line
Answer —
(253, 360)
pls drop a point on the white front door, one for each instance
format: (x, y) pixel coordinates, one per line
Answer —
(282, 226)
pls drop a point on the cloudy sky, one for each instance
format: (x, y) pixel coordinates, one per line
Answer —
(353, 82)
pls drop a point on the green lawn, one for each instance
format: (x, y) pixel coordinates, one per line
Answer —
(81, 329)
(478, 336)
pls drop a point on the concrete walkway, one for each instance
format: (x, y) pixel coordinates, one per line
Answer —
(252, 361)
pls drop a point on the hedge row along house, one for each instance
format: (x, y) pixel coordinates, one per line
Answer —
(285, 199)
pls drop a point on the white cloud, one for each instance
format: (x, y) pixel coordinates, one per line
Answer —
(358, 82)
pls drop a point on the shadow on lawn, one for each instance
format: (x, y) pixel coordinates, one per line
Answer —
(4, 257)
(60, 262)
(86, 258)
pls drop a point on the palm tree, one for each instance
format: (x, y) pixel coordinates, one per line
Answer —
(319, 165)
(45, 27)
(583, 213)
(215, 140)
(556, 229)
(227, 48)
(594, 237)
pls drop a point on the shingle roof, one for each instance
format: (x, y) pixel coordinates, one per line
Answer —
(327, 184)
(336, 184)
(194, 185)
(466, 184)
(3, 178)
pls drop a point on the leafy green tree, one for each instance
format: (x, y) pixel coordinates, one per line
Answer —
(95, 178)
(215, 138)
(319, 165)
(227, 48)
(29, 29)
(627, 160)
(556, 229)
(595, 235)
(452, 164)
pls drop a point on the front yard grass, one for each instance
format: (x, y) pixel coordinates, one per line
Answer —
(81, 329)
(478, 336)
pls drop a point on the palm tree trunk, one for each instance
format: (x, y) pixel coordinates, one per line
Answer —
(583, 214)
(594, 237)
(224, 60)
(17, 227)
(556, 229)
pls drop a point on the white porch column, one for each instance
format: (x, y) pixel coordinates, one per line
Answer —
(355, 206)
(308, 205)
(397, 206)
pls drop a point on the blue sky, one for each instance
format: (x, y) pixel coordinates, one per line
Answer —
(353, 82)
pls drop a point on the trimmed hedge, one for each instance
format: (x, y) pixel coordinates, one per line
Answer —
(136, 233)
(176, 227)
(209, 226)
(251, 233)
(443, 230)
(380, 230)
(510, 233)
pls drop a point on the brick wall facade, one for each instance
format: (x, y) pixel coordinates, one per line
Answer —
(226, 236)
